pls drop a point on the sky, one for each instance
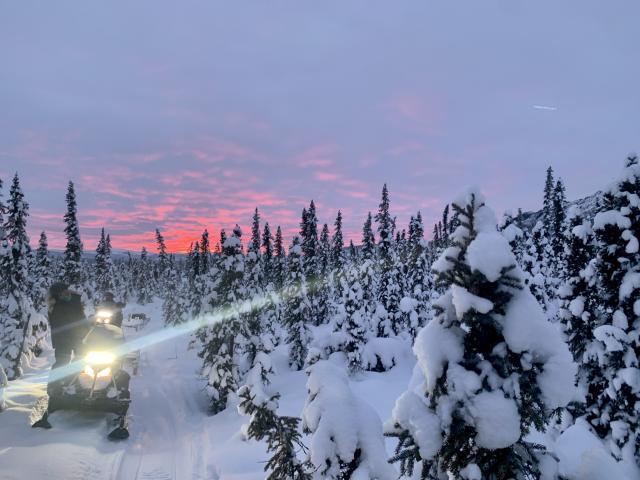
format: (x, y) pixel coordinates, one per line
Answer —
(188, 115)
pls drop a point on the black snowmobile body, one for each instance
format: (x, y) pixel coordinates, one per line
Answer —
(101, 385)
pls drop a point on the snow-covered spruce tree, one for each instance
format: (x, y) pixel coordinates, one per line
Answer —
(73, 248)
(163, 267)
(537, 261)
(547, 203)
(42, 273)
(297, 308)
(103, 267)
(559, 218)
(254, 285)
(193, 261)
(324, 251)
(224, 341)
(347, 441)
(353, 252)
(16, 339)
(309, 238)
(267, 255)
(143, 278)
(310, 251)
(322, 283)
(415, 305)
(337, 245)
(279, 261)
(175, 305)
(356, 326)
(578, 294)
(389, 288)
(367, 268)
(281, 433)
(512, 230)
(205, 253)
(368, 246)
(494, 367)
(613, 404)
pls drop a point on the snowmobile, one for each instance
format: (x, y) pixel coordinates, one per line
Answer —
(102, 384)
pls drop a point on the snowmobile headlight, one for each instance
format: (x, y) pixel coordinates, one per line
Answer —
(104, 316)
(100, 358)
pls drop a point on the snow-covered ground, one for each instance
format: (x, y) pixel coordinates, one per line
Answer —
(174, 438)
(172, 435)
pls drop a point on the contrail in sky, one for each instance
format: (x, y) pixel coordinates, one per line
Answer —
(544, 107)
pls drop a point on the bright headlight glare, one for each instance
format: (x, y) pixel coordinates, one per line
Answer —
(99, 358)
(104, 313)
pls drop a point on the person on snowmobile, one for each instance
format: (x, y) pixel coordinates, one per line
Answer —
(68, 326)
(109, 304)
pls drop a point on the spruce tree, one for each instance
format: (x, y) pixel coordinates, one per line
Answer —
(368, 240)
(355, 327)
(281, 434)
(254, 281)
(494, 367)
(309, 237)
(254, 264)
(310, 264)
(73, 248)
(547, 205)
(353, 252)
(297, 308)
(16, 339)
(267, 255)
(103, 266)
(613, 398)
(175, 305)
(254, 243)
(280, 261)
(559, 217)
(205, 253)
(389, 321)
(42, 273)
(224, 340)
(143, 278)
(386, 227)
(579, 301)
(418, 281)
(324, 253)
(337, 245)
(163, 262)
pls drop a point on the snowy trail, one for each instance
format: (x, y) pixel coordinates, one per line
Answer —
(167, 432)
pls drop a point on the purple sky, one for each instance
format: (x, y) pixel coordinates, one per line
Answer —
(186, 115)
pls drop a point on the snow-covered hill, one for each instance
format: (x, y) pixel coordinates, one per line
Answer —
(588, 205)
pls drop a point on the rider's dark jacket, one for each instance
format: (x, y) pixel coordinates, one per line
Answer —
(68, 322)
